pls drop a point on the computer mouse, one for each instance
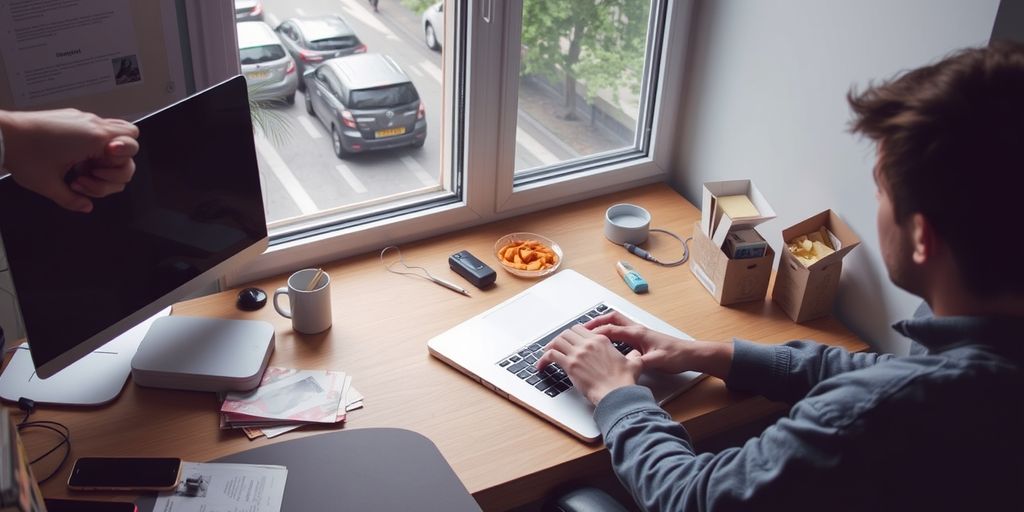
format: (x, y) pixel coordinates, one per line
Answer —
(251, 299)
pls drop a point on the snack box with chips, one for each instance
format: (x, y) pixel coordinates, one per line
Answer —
(811, 264)
(729, 280)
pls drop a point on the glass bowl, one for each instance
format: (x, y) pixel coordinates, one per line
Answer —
(524, 237)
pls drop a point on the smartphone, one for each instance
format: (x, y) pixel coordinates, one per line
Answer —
(125, 474)
(57, 505)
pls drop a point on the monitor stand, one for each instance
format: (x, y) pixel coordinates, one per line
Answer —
(93, 380)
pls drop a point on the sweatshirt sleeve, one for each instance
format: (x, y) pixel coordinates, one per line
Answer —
(788, 372)
(654, 458)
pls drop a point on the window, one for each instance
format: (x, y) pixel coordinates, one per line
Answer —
(522, 105)
(261, 54)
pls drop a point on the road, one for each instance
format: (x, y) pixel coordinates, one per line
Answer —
(300, 173)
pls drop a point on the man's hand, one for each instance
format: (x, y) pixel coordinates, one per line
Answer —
(663, 352)
(41, 148)
(592, 363)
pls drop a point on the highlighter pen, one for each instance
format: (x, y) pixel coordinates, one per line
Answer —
(631, 277)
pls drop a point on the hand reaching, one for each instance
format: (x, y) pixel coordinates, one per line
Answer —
(42, 148)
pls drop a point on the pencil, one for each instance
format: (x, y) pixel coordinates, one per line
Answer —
(313, 283)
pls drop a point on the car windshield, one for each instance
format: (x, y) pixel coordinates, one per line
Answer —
(380, 97)
(334, 43)
(260, 54)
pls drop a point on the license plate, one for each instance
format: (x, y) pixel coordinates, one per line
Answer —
(258, 75)
(391, 132)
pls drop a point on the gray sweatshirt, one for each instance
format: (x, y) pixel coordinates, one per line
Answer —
(938, 431)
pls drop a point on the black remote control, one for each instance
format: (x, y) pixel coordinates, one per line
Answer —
(471, 268)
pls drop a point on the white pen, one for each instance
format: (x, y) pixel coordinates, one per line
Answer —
(451, 286)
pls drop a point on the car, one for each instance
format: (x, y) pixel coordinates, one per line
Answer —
(314, 39)
(268, 69)
(366, 102)
(248, 10)
(433, 25)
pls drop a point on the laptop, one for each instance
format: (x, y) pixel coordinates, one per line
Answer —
(498, 347)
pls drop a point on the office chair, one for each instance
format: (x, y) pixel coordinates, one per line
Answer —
(583, 499)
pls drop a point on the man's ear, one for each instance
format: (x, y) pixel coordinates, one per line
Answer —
(924, 239)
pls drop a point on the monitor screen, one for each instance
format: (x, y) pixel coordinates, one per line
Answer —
(193, 208)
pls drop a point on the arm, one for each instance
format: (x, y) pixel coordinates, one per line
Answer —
(796, 464)
(779, 372)
(788, 372)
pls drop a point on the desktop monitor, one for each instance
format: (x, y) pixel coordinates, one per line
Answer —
(193, 210)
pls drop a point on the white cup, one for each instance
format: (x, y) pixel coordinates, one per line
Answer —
(309, 309)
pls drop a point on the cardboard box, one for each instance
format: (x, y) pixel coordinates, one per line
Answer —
(715, 223)
(728, 280)
(806, 293)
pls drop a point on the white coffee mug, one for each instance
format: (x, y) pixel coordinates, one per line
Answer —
(309, 303)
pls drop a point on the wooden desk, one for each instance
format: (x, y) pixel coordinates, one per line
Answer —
(504, 455)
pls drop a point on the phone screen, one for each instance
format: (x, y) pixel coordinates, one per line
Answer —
(57, 505)
(125, 473)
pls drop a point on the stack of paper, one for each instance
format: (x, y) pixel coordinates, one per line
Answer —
(289, 398)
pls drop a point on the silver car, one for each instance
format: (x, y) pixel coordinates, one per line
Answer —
(267, 67)
(248, 10)
(433, 26)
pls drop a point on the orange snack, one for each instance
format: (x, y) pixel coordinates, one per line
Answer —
(527, 255)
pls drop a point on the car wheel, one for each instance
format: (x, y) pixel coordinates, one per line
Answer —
(418, 144)
(290, 99)
(309, 105)
(339, 148)
(431, 37)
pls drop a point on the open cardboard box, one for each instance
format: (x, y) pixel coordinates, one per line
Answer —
(729, 280)
(806, 293)
(715, 223)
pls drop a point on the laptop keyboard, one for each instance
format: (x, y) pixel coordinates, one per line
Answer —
(552, 380)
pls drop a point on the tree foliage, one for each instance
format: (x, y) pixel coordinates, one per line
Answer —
(600, 43)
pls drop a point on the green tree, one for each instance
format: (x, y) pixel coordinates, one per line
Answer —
(600, 43)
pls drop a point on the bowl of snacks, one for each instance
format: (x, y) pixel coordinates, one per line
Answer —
(528, 254)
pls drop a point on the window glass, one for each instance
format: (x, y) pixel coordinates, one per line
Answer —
(311, 181)
(581, 81)
(261, 54)
(334, 43)
(382, 97)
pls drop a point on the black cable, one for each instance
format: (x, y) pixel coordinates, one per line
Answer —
(633, 248)
(60, 429)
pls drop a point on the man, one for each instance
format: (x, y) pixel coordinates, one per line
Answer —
(67, 155)
(938, 431)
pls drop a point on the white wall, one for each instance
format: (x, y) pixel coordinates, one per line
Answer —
(766, 101)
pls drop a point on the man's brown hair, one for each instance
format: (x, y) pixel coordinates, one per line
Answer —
(951, 147)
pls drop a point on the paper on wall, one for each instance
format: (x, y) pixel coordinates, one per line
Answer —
(58, 50)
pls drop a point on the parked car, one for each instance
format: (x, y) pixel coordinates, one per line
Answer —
(268, 69)
(433, 26)
(367, 103)
(314, 39)
(248, 10)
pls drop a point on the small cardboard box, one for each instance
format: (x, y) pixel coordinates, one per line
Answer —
(729, 280)
(715, 223)
(806, 293)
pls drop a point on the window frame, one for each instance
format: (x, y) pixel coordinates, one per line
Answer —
(490, 68)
